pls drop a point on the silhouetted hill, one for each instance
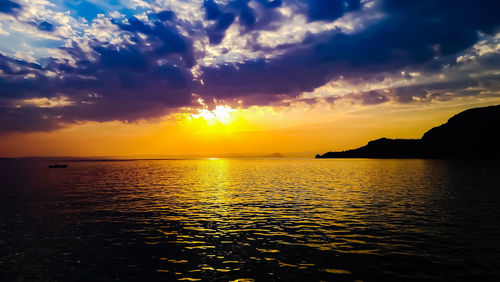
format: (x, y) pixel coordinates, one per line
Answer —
(381, 148)
(474, 132)
(471, 133)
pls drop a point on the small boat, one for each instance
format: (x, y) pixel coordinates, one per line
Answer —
(58, 166)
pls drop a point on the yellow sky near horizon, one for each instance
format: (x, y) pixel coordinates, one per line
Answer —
(301, 128)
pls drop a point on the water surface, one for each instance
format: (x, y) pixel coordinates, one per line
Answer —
(267, 220)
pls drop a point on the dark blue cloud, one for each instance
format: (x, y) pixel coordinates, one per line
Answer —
(125, 83)
(218, 31)
(326, 9)
(263, 16)
(260, 18)
(101, 90)
(224, 21)
(152, 72)
(353, 5)
(162, 16)
(46, 26)
(9, 7)
(164, 39)
(246, 14)
(166, 15)
(130, 58)
(414, 35)
(271, 3)
(212, 10)
(247, 17)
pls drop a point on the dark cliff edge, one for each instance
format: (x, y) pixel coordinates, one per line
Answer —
(473, 133)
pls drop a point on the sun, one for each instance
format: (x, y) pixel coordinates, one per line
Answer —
(219, 115)
(215, 121)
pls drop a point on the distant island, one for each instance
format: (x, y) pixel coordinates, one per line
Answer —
(473, 133)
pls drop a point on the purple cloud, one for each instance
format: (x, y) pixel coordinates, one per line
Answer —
(151, 70)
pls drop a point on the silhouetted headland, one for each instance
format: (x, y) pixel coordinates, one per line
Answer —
(473, 133)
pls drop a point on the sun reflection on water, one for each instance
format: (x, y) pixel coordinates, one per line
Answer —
(230, 219)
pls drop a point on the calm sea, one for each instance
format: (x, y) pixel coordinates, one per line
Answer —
(244, 220)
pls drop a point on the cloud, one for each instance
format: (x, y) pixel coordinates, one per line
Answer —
(150, 59)
(258, 17)
(466, 86)
(46, 26)
(372, 97)
(217, 32)
(331, 9)
(9, 7)
(413, 35)
(212, 10)
(163, 16)
(112, 82)
(169, 41)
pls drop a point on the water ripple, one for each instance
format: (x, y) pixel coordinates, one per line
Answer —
(246, 220)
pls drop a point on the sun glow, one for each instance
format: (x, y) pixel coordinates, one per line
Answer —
(221, 120)
(221, 114)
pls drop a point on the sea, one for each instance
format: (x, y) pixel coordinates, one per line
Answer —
(250, 220)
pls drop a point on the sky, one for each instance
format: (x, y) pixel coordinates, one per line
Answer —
(213, 77)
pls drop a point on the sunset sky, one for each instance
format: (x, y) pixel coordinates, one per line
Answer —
(179, 77)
